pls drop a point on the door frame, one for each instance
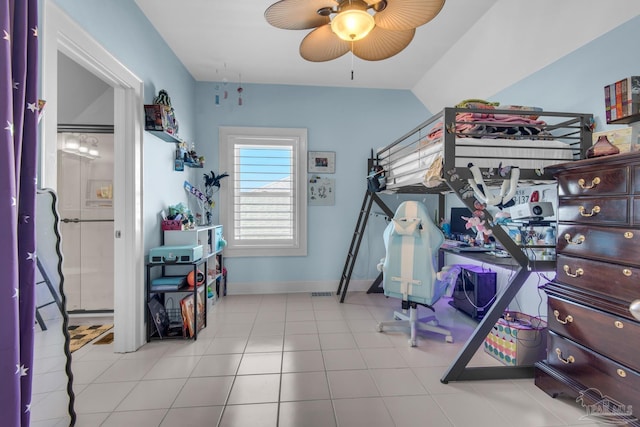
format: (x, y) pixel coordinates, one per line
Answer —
(62, 34)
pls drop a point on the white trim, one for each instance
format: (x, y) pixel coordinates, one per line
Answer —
(260, 288)
(294, 137)
(62, 34)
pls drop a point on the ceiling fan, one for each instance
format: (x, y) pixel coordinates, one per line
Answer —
(372, 29)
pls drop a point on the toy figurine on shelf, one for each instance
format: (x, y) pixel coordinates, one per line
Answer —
(212, 186)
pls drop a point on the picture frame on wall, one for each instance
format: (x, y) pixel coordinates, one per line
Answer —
(321, 191)
(322, 162)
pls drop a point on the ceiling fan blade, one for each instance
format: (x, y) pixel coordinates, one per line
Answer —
(406, 14)
(322, 45)
(297, 14)
(382, 44)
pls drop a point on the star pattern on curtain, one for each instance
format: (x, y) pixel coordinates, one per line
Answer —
(22, 370)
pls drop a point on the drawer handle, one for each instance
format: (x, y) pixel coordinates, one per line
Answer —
(595, 210)
(566, 320)
(621, 372)
(567, 270)
(627, 272)
(595, 181)
(568, 360)
(579, 240)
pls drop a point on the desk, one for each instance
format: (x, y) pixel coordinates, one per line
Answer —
(488, 258)
(522, 268)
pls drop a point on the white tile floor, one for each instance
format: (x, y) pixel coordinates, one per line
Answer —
(290, 360)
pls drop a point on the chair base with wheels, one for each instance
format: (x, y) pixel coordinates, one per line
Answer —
(429, 323)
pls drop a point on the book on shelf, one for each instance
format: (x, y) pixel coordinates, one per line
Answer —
(618, 86)
(622, 98)
(188, 304)
(171, 283)
(159, 316)
(607, 102)
(634, 95)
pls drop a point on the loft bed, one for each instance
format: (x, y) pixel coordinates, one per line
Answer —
(427, 158)
(471, 152)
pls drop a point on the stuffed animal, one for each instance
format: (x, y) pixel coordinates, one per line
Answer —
(478, 224)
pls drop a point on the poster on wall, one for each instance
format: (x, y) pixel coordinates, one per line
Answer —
(321, 191)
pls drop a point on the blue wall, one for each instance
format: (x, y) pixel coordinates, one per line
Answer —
(348, 121)
(576, 82)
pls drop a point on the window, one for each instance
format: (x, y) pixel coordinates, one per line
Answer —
(263, 204)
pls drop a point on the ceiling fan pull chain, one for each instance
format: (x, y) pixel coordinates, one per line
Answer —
(352, 61)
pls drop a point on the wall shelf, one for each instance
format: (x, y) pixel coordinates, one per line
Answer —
(625, 120)
(165, 136)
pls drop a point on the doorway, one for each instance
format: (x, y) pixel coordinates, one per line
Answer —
(63, 35)
(85, 204)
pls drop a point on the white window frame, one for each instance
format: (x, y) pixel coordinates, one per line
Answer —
(293, 137)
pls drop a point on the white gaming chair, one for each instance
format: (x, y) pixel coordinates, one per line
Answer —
(412, 241)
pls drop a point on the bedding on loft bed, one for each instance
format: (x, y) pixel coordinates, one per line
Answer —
(494, 139)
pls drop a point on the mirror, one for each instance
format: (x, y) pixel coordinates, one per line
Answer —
(52, 358)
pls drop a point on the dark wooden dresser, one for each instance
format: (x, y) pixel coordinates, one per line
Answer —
(593, 343)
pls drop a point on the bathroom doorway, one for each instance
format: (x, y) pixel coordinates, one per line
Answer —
(85, 203)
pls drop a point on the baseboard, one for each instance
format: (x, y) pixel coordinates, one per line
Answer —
(256, 288)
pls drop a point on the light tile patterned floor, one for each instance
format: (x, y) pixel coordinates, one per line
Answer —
(291, 360)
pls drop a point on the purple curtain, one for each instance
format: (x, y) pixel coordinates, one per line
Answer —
(18, 157)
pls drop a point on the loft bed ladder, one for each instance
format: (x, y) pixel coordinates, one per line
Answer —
(352, 255)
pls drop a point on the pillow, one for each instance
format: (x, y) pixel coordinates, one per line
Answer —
(407, 226)
(477, 103)
(525, 108)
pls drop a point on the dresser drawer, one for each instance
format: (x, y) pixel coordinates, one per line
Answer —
(619, 245)
(615, 337)
(593, 370)
(617, 281)
(594, 182)
(612, 210)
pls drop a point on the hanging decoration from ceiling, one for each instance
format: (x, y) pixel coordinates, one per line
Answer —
(222, 91)
(373, 29)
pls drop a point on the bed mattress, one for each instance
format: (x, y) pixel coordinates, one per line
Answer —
(410, 169)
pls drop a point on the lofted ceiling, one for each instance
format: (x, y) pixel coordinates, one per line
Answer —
(230, 39)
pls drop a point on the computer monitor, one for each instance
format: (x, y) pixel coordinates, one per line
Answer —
(458, 224)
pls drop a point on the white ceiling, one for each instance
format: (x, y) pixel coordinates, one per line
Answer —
(230, 39)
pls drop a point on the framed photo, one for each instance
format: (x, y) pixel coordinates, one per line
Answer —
(321, 191)
(322, 162)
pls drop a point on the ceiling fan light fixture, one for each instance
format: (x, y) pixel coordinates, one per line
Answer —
(352, 22)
